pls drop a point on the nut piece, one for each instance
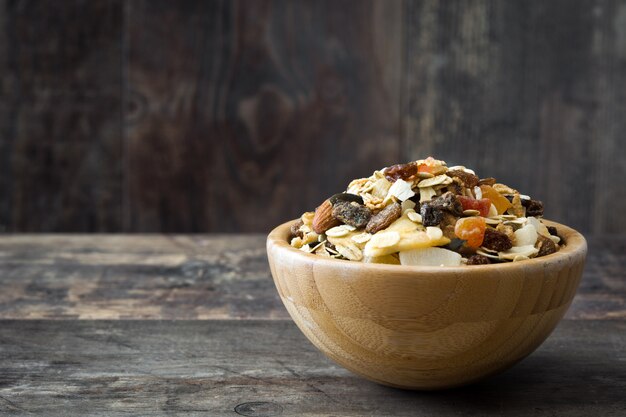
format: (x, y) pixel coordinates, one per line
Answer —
(324, 219)
(478, 260)
(545, 245)
(468, 180)
(496, 241)
(384, 218)
(352, 213)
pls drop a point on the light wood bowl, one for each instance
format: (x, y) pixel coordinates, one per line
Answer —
(426, 327)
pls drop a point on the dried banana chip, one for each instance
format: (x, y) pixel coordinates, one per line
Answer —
(384, 239)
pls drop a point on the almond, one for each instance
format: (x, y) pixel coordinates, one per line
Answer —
(324, 219)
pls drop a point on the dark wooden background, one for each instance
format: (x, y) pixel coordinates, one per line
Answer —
(233, 116)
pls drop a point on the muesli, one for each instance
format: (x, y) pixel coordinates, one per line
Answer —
(426, 213)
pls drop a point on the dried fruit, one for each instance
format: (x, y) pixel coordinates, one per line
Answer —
(345, 197)
(533, 207)
(526, 235)
(384, 218)
(430, 257)
(426, 214)
(501, 203)
(295, 230)
(496, 241)
(448, 202)
(324, 219)
(468, 180)
(401, 171)
(352, 213)
(401, 190)
(545, 246)
(478, 260)
(385, 239)
(481, 205)
(431, 216)
(471, 229)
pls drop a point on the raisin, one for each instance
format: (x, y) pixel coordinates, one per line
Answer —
(448, 202)
(431, 216)
(545, 245)
(469, 180)
(384, 218)
(533, 207)
(497, 241)
(400, 171)
(295, 230)
(345, 197)
(352, 213)
(416, 197)
(478, 260)
(552, 230)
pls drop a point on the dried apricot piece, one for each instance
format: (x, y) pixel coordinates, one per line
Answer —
(501, 203)
(471, 229)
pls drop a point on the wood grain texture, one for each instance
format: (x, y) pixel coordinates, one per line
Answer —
(231, 116)
(197, 368)
(426, 327)
(530, 92)
(239, 109)
(201, 277)
(60, 116)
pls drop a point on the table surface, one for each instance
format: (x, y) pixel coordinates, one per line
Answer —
(191, 325)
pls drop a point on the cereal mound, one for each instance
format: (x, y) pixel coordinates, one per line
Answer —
(425, 213)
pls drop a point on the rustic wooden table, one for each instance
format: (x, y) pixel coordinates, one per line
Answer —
(191, 325)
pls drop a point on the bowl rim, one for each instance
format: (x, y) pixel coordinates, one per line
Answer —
(575, 244)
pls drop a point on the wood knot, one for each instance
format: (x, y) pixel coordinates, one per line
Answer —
(259, 409)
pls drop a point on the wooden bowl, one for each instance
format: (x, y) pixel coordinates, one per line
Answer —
(426, 327)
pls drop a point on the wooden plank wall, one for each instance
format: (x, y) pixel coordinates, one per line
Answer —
(233, 116)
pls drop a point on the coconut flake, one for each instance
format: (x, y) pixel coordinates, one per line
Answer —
(401, 190)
